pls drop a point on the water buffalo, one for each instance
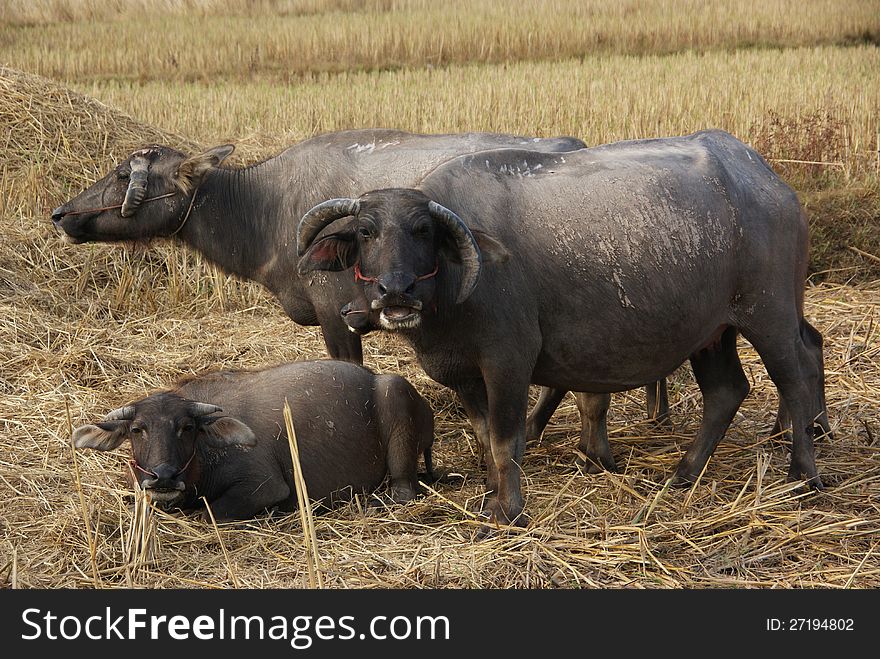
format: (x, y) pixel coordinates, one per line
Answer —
(222, 436)
(593, 408)
(593, 271)
(239, 218)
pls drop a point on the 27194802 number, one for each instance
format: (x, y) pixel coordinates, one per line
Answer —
(810, 624)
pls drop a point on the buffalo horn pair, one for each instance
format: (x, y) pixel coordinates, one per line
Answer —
(326, 212)
(127, 413)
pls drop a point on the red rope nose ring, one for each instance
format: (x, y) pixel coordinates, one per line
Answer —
(192, 201)
(110, 208)
(150, 472)
(359, 276)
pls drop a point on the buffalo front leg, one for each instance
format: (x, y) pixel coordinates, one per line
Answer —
(594, 433)
(248, 498)
(724, 386)
(508, 402)
(476, 406)
(407, 428)
(341, 342)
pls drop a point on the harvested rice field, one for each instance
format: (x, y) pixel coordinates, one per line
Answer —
(87, 328)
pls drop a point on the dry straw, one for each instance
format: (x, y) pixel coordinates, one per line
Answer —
(306, 515)
(100, 326)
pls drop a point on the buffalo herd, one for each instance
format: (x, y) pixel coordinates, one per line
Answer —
(504, 262)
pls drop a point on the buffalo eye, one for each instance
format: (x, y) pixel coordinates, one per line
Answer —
(122, 174)
(187, 427)
(422, 230)
(365, 233)
(137, 430)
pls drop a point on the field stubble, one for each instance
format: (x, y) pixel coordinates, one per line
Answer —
(812, 111)
(76, 40)
(84, 329)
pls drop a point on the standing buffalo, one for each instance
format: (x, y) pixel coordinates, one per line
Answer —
(239, 219)
(221, 436)
(595, 271)
(593, 408)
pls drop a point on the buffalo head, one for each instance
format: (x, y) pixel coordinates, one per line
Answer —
(147, 195)
(165, 431)
(408, 251)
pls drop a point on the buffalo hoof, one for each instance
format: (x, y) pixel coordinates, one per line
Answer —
(402, 494)
(663, 422)
(533, 432)
(496, 519)
(810, 482)
(595, 464)
(684, 478)
(441, 475)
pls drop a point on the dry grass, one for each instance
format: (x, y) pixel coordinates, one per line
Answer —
(741, 526)
(813, 111)
(56, 143)
(600, 99)
(805, 103)
(87, 328)
(235, 39)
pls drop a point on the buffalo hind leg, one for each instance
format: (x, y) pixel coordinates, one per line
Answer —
(724, 386)
(594, 433)
(657, 403)
(656, 397)
(548, 400)
(813, 342)
(407, 425)
(792, 365)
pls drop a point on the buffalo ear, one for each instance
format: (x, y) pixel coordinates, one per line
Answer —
(193, 169)
(336, 251)
(223, 431)
(491, 250)
(104, 436)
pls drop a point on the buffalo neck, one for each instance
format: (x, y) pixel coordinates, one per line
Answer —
(242, 222)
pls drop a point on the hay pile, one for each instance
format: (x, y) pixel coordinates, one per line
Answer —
(84, 329)
(60, 140)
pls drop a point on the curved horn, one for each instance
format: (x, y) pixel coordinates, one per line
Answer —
(203, 409)
(468, 251)
(137, 186)
(319, 217)
(121, 414)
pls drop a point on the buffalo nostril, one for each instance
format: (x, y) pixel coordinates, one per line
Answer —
(165, 472)
(57, 214)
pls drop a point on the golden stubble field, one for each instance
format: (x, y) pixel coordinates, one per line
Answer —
(86, 328)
